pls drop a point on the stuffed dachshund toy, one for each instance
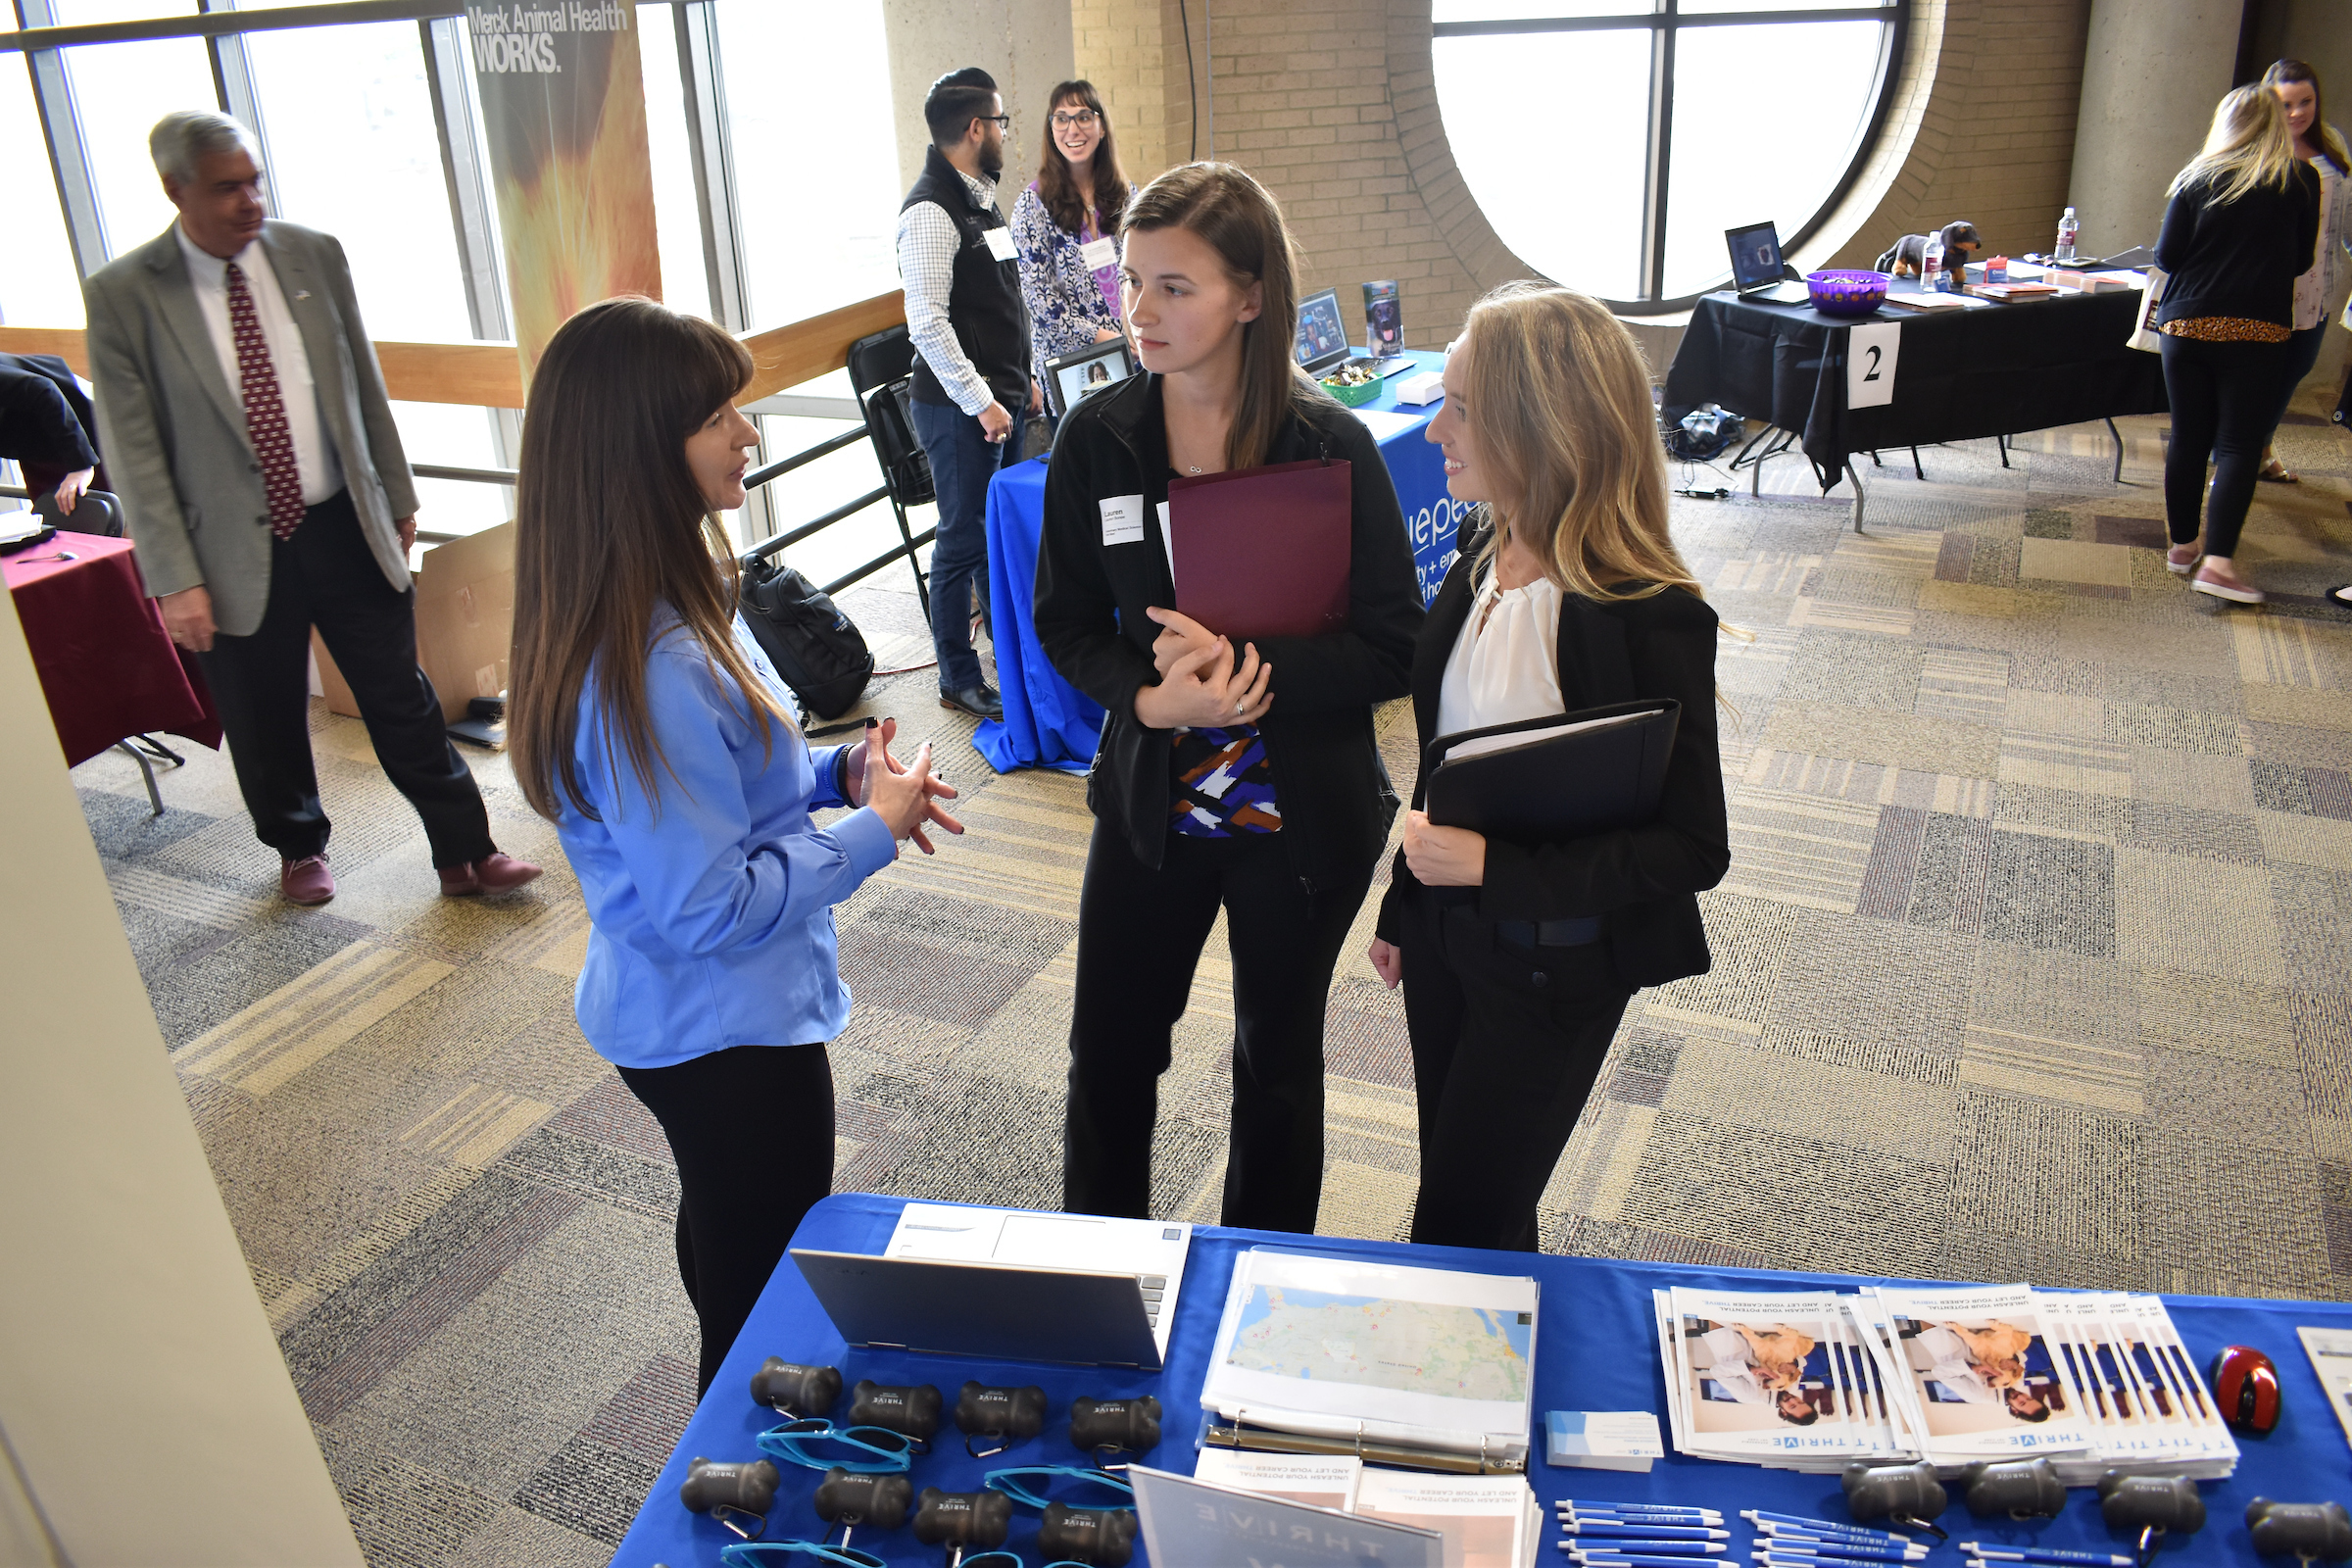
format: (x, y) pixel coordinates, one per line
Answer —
(1909, 251)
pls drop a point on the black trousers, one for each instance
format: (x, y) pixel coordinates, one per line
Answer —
(2226, 403)
(326, 576)
(1508, 1041)
(1140, 935)
(752, 1129)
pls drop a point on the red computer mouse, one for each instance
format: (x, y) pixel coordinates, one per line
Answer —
(2245, 1385)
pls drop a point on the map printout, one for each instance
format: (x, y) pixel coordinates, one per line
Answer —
(1463, 1352)
(1332, 1345)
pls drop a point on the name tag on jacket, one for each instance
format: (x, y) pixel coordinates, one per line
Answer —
(1122, 520)
(999, 243)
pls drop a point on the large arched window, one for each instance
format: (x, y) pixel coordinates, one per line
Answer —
(1610, 147)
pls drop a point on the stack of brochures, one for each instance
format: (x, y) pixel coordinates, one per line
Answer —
(1347, 1350)
(1955, 1375)
(1483, 1521)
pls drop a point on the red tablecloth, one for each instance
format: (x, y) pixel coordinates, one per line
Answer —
(107, 666)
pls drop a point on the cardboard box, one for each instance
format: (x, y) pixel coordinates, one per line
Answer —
(465, 624)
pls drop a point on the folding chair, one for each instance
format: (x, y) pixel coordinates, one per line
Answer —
(880, 376)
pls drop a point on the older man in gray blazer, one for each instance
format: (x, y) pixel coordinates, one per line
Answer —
(246, 427)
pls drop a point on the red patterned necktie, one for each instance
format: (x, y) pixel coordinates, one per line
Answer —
(265, 411)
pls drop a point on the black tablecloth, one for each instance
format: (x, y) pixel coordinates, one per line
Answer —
(1996, 370)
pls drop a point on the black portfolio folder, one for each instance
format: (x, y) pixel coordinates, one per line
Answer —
(1547, 780)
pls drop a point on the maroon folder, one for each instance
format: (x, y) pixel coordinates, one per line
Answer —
(1263, 552)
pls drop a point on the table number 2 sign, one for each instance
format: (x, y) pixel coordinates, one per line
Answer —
(1870, 364)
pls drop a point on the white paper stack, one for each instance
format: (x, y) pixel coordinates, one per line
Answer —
(1487, 1521)
(1957, 1375)
(1785, 1379)
(2141, 1397)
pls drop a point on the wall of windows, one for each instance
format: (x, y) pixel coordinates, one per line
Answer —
(784, 198)
(1611, 144)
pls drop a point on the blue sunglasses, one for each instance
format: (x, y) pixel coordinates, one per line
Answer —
(1029, 1484)
(817, 1443)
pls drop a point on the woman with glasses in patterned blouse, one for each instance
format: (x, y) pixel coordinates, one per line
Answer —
(1065, 226)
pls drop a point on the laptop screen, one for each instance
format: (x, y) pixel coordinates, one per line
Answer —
(1756, 261)
(1322, 340)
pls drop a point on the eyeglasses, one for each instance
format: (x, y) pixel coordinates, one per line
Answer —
(1030, 1484)
(1003, 123)
(1080, 119)
(870, 1450)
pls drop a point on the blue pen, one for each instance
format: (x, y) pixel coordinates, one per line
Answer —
(1651, 1548)
(1681, 1521)
(1790, 1534)
(1601, 1530)
(1843, 1551)
(2105, 1559)
(1826, 1526)
(1596, 1506)
(1635, 1561)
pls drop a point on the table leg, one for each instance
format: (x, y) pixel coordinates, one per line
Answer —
(2002, 442)
(2119, 451)
(154, 797)
(1916, 470)
(1861, 497)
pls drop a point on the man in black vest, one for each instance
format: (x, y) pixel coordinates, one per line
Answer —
(972, 386)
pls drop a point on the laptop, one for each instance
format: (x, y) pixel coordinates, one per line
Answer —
(1010, 1285)
(1758, 269)
(1070, 379)
(1323, 345)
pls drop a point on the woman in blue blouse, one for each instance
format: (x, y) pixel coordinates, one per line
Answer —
(1066, 227)
(648, 725)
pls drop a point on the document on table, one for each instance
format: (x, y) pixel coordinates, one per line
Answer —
(1386, 422)
(1336, 1345)
(2331, 1353)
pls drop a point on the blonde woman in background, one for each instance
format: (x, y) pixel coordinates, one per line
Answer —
(1518, 959)
(2241, 226)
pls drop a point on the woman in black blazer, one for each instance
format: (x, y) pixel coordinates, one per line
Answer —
(1247, 783)
(1518, 959)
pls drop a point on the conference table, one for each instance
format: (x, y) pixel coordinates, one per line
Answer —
(1595, 1349)
(1049, 722)
(1982, 370)
(107, 666)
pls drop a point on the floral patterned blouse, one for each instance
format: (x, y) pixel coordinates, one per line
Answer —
(1069, 305)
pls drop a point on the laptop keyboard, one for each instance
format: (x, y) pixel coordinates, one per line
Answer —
(1154, 1286)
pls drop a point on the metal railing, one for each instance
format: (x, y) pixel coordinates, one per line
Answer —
(751, 482)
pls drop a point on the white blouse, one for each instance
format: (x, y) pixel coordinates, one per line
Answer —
(1505, 663)
(2313, 287)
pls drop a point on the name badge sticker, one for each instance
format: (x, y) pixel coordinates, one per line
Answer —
(1122, 520)
(1099, 253)
(999, 243)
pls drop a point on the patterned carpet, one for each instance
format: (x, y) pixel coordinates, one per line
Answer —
(2033, 963)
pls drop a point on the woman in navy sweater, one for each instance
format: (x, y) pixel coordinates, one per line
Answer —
(2243, 222)
(648, 725)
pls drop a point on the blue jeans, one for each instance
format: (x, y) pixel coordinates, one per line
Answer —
(962, 461)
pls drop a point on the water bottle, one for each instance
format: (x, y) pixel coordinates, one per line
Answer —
(1930, 263)
(2068, 228)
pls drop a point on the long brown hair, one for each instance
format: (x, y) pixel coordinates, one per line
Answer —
(1559, 398)
(608, 520)
(1239, 219)
(1059, 190)
(2326, 136)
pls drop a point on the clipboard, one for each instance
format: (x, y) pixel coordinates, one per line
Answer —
(1554, 778)
(1262, 553)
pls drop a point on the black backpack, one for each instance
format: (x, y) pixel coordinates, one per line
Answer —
(815, 647)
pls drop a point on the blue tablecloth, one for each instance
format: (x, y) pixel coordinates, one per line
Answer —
(1049, 722)
(1596, 1350)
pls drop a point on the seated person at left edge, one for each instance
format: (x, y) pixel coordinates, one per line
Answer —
(1518, 959)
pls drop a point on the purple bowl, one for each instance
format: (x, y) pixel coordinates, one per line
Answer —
(1846, 293)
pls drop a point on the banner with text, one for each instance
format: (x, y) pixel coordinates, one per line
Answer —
(564, 106)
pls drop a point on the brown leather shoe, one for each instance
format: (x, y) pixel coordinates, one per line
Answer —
(493, 873)
(306, 881)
